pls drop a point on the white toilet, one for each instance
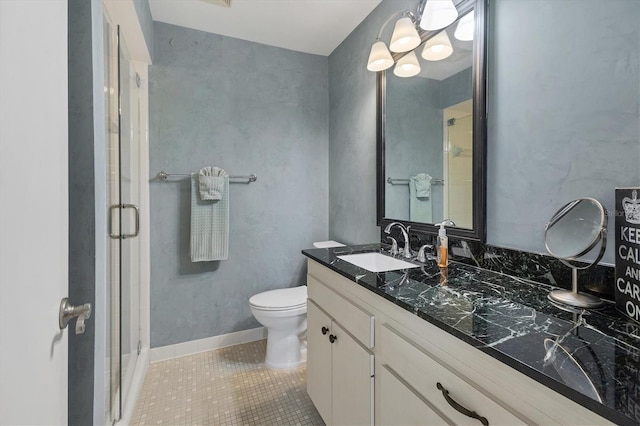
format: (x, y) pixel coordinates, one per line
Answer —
(284, 313)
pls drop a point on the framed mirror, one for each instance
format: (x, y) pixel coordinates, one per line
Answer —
(431, 133)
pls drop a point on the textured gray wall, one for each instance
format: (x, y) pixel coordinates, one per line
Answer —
(563, 116)
(414, 140)
(563, 112)
(352, 131)
(82, 219)
(248, 108)
(146, 22)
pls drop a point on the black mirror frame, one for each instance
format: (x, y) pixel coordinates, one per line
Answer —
(479, 87)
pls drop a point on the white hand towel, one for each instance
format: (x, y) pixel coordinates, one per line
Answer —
(420, 209)
(211, 183)
(423, 185)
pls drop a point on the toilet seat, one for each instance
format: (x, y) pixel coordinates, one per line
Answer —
(284, 299)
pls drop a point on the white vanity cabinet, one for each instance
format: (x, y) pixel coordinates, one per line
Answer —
(412, 357)
(339, 362)
(449, 398)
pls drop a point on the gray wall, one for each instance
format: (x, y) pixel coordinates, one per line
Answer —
(248, 108)
(563, 112)
(564, 90)
(83, 40)
(352, 131)
(413, 142)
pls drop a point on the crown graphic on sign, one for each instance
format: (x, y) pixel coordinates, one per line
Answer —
(631, 207)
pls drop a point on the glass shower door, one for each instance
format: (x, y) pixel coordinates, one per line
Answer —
(122, 105)
(130, 218)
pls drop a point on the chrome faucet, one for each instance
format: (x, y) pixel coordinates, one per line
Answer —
(422, 256)
(405, 234)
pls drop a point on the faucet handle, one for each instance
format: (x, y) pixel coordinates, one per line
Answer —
(394, 246)
(421, 253)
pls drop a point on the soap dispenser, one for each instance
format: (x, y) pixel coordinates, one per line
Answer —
(442, 244)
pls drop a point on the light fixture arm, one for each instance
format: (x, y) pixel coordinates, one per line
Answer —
(421, 6)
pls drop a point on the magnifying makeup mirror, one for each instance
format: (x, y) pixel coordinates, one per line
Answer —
(572, 232)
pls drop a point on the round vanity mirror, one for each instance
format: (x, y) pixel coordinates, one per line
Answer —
(572, 232)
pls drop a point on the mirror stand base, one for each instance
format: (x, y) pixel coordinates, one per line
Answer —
(572, 298)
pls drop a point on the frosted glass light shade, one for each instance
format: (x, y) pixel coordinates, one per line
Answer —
(438, 14)
(438, 47)
(466, 27)
(380, 58)
(405, 36)
(407, 66)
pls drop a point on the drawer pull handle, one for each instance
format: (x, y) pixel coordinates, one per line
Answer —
(332, 338)
(460, 408)
(325, 330)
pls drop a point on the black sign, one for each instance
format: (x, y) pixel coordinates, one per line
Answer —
(627, 288)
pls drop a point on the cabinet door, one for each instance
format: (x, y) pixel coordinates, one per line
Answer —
(352, 380)
(401, 404)
(319, 360)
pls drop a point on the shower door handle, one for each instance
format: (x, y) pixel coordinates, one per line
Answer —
(137, 216)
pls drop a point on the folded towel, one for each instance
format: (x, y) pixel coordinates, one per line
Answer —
(422, 182)
(420, 209)
(211, 183)
(209, 224)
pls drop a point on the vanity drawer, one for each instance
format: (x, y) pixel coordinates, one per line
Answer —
(358, 321)
(423, 373)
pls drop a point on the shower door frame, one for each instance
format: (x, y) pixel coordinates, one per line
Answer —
(119, 398)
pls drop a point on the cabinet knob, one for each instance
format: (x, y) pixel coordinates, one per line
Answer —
(325, 330)
(332, 338)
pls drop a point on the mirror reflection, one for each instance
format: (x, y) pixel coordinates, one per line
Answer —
(574, 229)
(429, 161)
(429, 147)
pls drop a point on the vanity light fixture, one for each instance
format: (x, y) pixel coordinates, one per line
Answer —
(438, 14)
(466, 27)
(405, 36)
(431, 15)
(380, 58)
(407, 66)
(438, 47)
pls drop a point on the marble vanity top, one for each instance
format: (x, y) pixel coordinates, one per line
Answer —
(512, 320)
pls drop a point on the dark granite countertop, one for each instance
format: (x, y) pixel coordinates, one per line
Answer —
(512, 320)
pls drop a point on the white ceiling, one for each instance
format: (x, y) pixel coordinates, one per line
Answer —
(311, 26)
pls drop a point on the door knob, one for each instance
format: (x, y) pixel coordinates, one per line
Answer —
(68, 311)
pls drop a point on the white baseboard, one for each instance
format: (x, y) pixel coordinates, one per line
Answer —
(163, 353)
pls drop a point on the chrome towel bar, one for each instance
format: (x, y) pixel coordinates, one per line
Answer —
(162, 176)
(394, 181)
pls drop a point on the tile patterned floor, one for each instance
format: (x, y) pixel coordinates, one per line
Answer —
(229, 386)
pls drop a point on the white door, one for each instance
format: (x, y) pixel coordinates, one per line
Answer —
(33, 211)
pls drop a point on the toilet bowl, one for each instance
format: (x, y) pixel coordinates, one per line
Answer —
(284, 314)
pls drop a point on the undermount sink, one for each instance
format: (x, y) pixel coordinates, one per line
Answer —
(377, 262)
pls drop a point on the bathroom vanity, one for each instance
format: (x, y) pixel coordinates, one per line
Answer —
(462, 346)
